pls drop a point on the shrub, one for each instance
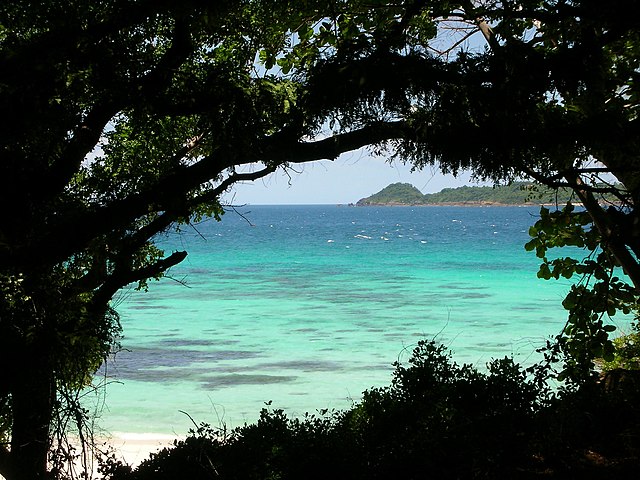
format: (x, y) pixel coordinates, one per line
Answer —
(626, 353)
(436, 419)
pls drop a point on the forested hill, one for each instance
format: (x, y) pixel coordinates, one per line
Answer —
(518, 193)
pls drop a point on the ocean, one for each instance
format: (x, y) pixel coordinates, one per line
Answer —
(303, 307)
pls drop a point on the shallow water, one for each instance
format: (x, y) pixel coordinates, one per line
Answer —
(307, 306)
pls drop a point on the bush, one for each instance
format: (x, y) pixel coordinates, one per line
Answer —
(436, 419)
(626, 353)
(449, 420)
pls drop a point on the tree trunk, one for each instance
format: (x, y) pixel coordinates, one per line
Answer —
(33, 398)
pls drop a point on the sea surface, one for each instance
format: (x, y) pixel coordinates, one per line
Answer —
(304, 307)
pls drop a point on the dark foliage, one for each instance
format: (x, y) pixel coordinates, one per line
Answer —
(436, 420)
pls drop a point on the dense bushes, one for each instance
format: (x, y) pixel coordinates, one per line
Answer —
(436, 420)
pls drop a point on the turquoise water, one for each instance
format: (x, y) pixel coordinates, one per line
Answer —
(307, 306)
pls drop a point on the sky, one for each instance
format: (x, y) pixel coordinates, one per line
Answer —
(349, 178)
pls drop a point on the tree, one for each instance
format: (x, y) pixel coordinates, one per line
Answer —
(125, 118)
(122, 119)
(551, 95)
(557, 101)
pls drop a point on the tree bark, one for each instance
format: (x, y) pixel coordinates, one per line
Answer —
(610, 232)
(33, 398)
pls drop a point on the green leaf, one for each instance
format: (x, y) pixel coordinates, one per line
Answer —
(544, 272)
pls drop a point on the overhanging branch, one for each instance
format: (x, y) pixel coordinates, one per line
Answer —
(70, 235)
(279, 151)
(122, 277)
(87, 134)
(554, 181)
(610, 231)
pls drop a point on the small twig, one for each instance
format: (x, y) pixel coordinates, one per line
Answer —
(178, 281)
(197, 231)
(241, 215)
(190, 418)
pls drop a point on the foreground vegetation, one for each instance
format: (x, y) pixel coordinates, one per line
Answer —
(437, 419)
(132, 118)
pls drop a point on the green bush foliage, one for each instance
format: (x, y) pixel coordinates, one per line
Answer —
(600, 288)
(437, 419)
(626, 353)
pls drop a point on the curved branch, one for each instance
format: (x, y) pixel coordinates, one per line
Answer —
(212, 195)
(87, 134)
(554, 181)
(69, 235)
(611, 232)
(97, 274)
(122, 277)
(330, 148)
(109, 283)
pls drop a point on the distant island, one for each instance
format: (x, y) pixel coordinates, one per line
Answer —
(517, 193)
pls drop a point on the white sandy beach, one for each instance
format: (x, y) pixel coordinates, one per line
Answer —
(130, 448)
(136, 447)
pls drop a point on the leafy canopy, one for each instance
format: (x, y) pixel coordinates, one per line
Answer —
(126, 118)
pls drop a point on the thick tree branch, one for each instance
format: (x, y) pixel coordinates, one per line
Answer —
(560, 180)
(611, 233)
(330, 148)
(123, 276)
(88, 133)
(98, 273)
(99, 276)
(482, 25)
(69, 235)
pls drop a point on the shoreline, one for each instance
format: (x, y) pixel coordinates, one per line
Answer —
(133, 448)
(462, 204)
(127, 447)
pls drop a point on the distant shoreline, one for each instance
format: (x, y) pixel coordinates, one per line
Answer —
(520, 194)
(458, 204)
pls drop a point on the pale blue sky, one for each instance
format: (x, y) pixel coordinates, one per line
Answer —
(346, 180)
